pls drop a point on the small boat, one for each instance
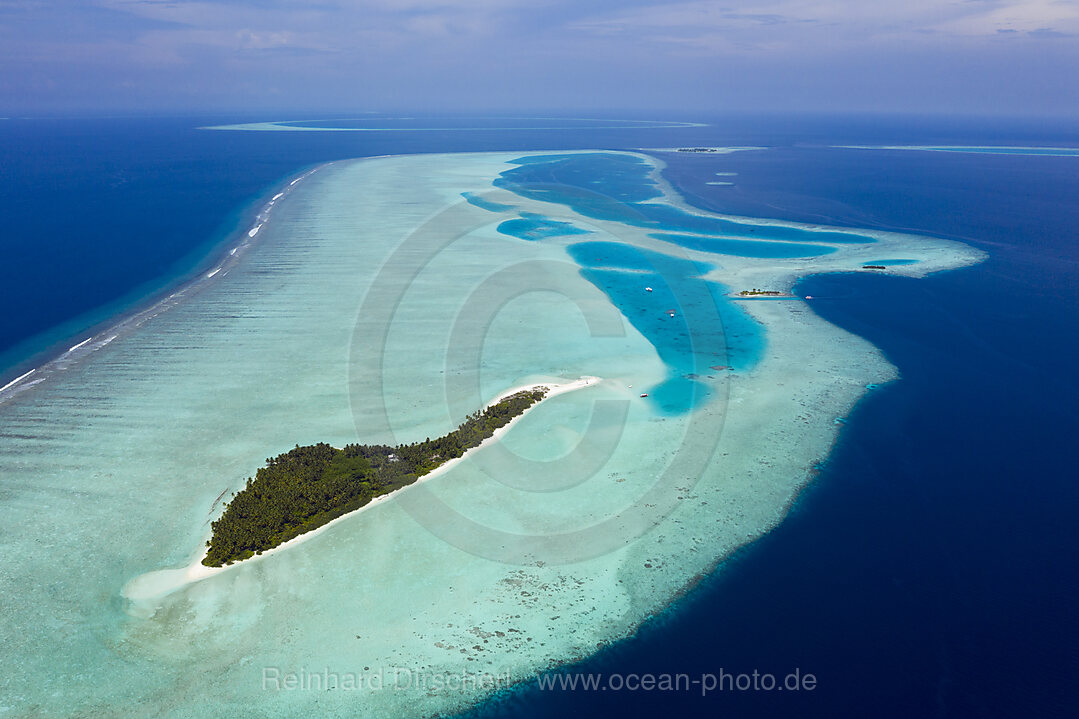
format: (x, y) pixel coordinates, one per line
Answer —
(809, 297)
(645, 394)
(647, 289)
(670, 313)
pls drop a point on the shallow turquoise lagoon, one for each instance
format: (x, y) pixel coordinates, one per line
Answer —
(744, 248)
(617, 255)
(531, 226)
(485, 204)
(693, 325)
(606, 186)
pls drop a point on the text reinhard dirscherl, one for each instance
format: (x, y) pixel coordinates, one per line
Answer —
(402, 679)
(394, 678)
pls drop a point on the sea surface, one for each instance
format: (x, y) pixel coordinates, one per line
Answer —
(931, 567)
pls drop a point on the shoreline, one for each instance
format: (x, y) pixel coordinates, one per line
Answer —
(160, 583)
(76, 340)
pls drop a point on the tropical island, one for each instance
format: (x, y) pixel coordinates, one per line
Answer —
(755, 292)
(307, 487)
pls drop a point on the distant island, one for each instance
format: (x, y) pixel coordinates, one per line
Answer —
(874, 267)
(763, 293)
(307, 487)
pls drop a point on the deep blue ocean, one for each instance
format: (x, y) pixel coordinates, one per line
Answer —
(931, 569)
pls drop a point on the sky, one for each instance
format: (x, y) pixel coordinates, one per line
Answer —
(998, 57)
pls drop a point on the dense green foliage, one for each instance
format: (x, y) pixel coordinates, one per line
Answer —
(307, 487)
(758, 291)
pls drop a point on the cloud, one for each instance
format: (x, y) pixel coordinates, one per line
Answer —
(1029, 16)
(555, 53)
(801, 24)
(1049, 33)
(317, 25)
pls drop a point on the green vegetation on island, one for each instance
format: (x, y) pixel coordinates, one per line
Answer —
(757, 292)
(306, 487)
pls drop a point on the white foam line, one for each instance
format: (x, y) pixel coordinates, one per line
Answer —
(138, 319)
(278, 196)
(688, 150)
(18, 379)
